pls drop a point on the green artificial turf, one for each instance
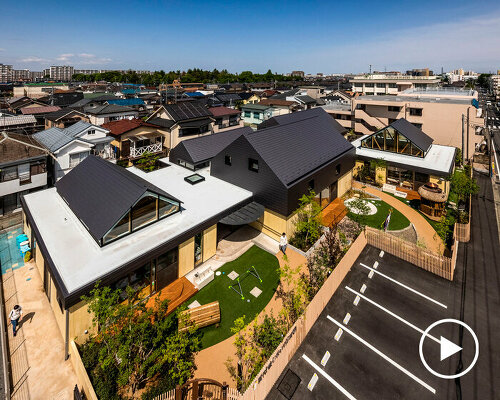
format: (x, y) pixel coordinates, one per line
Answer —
(398, 220)
(232, 306)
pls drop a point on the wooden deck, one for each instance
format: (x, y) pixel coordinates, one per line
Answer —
(177, 293)
(333, 212)
(410, 194)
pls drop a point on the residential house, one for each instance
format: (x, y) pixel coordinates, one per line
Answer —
(254, 114)
(15, 104)
(70, 146)
(24, 124)
(266, 94)
(103, 223)
(100, 114)
(62, 99)
(63, 118)
(249, 97)
(37, 90)
(284, 106)
(225, 118)
(197, 153)
(228, 99)
(184, 120)
(290, 156)
(22, 170)
(39, 112)
(134, 137)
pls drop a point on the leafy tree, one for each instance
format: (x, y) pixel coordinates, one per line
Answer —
(458, 157)
(136, 342)
(322, 261)
(463, 185)
(308, 227)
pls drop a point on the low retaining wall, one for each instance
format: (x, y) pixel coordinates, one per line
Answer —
(267, 377)
(81, 372)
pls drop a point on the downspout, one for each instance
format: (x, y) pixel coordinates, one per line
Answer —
(66, 337)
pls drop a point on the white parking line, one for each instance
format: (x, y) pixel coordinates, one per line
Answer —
(405, 286)
(388, 359)
(329, 378)
(392, 314)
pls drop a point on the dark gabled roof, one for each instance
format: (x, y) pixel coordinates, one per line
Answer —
(286, 94)
(195, 123)
(107, 109)
(187, 110)
(54, 116)
(299, 143)
(206, 147)
(222, 111)
(245, 95)
(225, 97)
(306, 99)
(62, 99)
(162, 122)
(412, 133)
(100, 193)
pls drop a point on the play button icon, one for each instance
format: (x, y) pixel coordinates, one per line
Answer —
(448, 348)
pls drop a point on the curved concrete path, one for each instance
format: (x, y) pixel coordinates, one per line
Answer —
(210, 362)
(425, 232)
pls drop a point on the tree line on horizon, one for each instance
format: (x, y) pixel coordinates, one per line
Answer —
(189, 76)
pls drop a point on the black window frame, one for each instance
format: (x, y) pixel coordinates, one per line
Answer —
(228, 160)
(251, 167)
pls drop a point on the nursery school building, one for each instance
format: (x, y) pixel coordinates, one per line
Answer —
(150, 230)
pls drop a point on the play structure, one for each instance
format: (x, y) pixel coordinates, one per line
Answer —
(237, 285)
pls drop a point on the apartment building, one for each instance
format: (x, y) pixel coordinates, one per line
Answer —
(381, 84)
(62, 73)
(437, 112)
(5, 73)
(38, 90)
(495, 85)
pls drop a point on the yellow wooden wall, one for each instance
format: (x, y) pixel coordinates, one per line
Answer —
(186, 257)
(380, 175)
(209, 242)
(344, 184)
(79, 321)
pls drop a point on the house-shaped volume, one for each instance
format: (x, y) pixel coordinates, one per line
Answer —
(112, 202)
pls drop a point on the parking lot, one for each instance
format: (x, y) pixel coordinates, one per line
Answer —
(365, 344)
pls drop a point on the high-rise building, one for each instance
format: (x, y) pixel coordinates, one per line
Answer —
(62, 73)
(5, 73)
(21, 75)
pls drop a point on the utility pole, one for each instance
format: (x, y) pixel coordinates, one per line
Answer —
(468, 123)
(370, 69)
(463, 133)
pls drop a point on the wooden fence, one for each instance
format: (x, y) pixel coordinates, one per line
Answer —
(423, 258)
(216, 393)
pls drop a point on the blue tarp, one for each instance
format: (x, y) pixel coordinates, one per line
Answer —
(126, 102)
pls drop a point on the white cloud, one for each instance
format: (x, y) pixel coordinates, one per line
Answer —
(86, 55)
(34, 59)
(65, 57)
(1, 49)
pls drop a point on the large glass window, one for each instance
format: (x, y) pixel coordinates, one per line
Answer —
(166, 269)
(9, 173)
(390, 139)
(198, 248)
(120, 229)
(144, 211)
(167, 207)
(416, 112)
(140, 279)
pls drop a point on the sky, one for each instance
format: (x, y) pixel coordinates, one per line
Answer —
(314, 36)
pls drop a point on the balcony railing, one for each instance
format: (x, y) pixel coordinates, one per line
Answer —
(139, 151)
(106, 154)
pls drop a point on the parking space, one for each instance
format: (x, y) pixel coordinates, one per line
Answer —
(365, 344)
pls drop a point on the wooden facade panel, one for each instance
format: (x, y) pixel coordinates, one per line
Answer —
(186, 257)
(209, 242)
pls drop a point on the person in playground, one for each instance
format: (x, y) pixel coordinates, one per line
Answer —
(283, 243)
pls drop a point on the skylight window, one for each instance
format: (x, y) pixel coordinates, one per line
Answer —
(194, 179)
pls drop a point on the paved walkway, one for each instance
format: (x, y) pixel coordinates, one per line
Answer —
(37, 351)
(210, 361)
(426, 234)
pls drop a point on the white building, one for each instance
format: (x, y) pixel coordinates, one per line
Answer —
(5, 73)
(380, 84)
(61, 73)
(71, 145)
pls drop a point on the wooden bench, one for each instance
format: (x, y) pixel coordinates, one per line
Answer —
(201, 316)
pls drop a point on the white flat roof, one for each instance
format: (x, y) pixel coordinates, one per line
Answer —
(438, 159)
(79, 259)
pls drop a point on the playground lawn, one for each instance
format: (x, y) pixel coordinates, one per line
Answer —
(398, 220)
(232, 306)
